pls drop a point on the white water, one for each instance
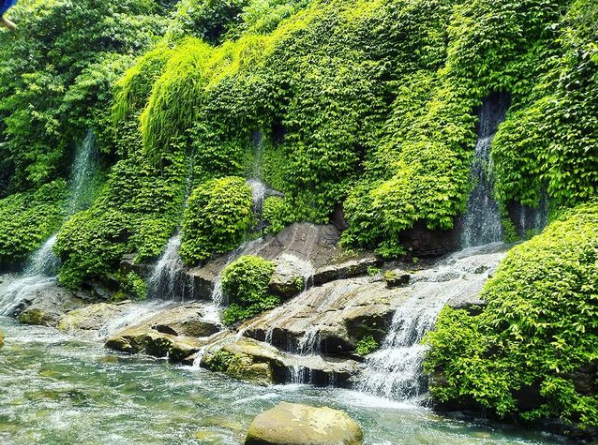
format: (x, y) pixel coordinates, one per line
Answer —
(395, 370)
(43, 264)
(168, 279)
(482, 221)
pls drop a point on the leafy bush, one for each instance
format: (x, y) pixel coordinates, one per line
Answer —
(27, 219)
(134, 286)
(217, 218)
(245, 284)
(366, 345)
(537, 337)
(55, 77)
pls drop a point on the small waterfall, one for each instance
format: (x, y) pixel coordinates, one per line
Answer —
(168, 279)
(43, 264)
(482, 221)
(44, 261)
(395, 370)
(529, 221)
(258, 191)
(83, 173)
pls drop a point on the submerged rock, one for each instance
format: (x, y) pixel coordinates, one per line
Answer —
(294, 424)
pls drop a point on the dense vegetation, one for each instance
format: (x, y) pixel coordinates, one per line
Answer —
(532, 352)
(245, 284)
(365, 104)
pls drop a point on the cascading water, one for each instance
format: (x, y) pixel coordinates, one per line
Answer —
(168, 279)
(482, 221)
(43, 264)
(395, 370)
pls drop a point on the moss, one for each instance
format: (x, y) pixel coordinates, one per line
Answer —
(537, 330)
(218, 216)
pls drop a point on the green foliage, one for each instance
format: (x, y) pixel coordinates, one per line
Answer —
(218, 216)
(27, 219)
(537, 335)
(134, 286)
(366, 345)
(55, 77)
(245, 284)
(275, 214)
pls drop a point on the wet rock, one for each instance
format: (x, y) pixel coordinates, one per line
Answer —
(204, 278)
(287, 280)
(470, 303)
(421, 241)
(92, 317)
(46, 305)
(142, 340)
(329, 319)
(258, 362)
(294, 424)
(396, 278)
(353, 267)
(173, 332)
(127, 265)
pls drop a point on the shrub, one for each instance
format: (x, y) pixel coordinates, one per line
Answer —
(134, 286)
(27, 219)
(538, 334)
(245, 284)
(366, 345)
(217, 218)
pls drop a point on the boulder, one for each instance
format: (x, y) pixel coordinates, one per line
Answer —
(154, 343)
(46, 304)
(93, 317)
(170, 332)
(258, 362)
(294, 424)
(204, 278)
(352, 267)
(329, 319)
(396, 278)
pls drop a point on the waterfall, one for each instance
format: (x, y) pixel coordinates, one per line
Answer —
(529, 221)
(482, 221)
(395, 370)
(43, 264)
(168, 279)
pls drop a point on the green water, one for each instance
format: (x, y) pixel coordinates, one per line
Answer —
(55, 389)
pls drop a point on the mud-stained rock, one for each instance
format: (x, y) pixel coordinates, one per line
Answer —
(258, 362)
(294, 424)
(349, 268)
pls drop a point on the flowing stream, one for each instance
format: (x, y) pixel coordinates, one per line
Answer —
(58, 390)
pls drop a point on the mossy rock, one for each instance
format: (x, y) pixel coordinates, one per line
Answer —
(1, 339)
(35, 317)
(294, 424)
(239, 366)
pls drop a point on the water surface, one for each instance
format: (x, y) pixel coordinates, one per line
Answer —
(57, 390)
